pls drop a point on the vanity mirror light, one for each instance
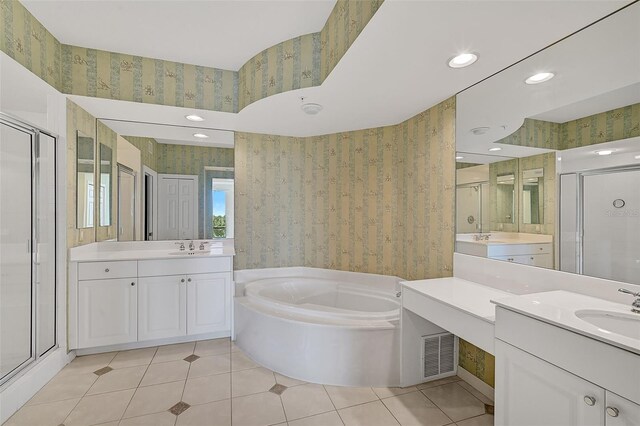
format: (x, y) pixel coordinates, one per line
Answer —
(85, 180)
(574, 148)
(106, 185)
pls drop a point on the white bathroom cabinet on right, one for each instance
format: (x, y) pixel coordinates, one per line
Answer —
(553, 376)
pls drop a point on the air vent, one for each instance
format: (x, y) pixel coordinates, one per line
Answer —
(439, 355)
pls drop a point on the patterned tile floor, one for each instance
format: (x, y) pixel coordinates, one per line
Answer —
(213, 383)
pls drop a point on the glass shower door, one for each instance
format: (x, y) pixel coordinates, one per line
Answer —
(16, 313)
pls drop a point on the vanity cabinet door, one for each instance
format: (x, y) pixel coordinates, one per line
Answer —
(108, 312)
(161, 307)
(208, 303)
(532, 392)
(621, 412)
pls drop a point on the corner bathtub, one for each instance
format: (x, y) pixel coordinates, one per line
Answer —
(321, 326)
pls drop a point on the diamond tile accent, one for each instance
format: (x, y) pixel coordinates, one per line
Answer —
(278, 389)
(103, 370)
(179, 408)
(489, 409)
(191, 358)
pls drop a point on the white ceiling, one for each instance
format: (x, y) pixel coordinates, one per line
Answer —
(397, 67)
(215, 33)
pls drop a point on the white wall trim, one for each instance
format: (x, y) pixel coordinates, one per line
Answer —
(476, 383)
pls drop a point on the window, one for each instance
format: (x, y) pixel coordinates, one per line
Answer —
(219, 204)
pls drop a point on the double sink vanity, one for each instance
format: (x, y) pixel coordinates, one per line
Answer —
(134, 294)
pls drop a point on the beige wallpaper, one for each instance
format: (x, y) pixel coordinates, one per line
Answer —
(377, 200)
(548, 163)
(77, 119)
(108, 137)
(27, 41)
(477, 362)
(498, 169)
(620, 123)
(149, 150)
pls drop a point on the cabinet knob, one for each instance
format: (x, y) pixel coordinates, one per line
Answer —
(182, 280)
(590, 401)
(189, 279)
(106, 270)
(613, 411)
(132, 284)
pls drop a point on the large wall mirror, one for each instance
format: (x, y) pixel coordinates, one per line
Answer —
(106, 185)
(548, 173)
(171, 183)
(85, 172)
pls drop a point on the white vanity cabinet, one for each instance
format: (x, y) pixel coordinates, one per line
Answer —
(160, 300)
(552, 376)
(107, 297)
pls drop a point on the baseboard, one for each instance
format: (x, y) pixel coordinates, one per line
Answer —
(151, 343)
(476, 383)
(20, 389)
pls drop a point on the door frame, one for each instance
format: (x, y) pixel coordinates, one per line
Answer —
(196, 195)
(125, 169)
(146, 171)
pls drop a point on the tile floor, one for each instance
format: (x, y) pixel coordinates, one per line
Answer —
(213, 383)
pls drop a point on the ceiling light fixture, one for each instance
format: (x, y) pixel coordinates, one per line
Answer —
(459, 157)
(637, 157)
(541, 77)
(479, 130)
(311, 108)
(604, 152)
(200, 135)
(495, 148)
(463, 60)
(193, 117)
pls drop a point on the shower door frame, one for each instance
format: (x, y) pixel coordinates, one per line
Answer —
(580, 205)
(34, 133)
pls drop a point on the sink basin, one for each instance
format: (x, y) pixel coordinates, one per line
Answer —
(189, 253)
(625, 324)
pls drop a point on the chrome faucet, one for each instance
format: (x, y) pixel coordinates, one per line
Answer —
(181, 243)
(192, 246)
(635, 306)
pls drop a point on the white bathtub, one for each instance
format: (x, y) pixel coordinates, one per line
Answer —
(321, 326)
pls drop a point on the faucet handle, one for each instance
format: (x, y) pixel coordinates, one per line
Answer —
(624, 290)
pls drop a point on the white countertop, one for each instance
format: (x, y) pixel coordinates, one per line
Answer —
(146, 250)
(558, 308)
(499, 238)
(469, 297)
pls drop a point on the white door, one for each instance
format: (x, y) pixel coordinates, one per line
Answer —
(161, 307)
(208, 303)
(187, 209)
(177, 207)
(108, 312)
(611, 225)
(126, 204)
(532, 392)
(621, 411)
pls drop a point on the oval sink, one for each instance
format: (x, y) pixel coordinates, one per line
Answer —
(613, 322)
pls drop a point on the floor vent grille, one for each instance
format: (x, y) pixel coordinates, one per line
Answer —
(439, 356)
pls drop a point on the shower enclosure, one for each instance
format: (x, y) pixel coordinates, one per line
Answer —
(27, 245)
(600, 223)
(472, 201)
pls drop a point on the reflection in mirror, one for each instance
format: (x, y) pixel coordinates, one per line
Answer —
(575, 143)
(104, 202)
(532, 196)
(85, 165)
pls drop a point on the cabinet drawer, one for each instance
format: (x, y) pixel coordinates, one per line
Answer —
(157, 268)
(517, 249)
(106, 270)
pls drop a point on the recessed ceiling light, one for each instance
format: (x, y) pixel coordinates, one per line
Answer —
(495, 148)
(311, 108)
(193, 117)
(459, 157)
(637, 157)
(541, 77)
(200, 135)
(479, 130)
(604, 152)
(463, 60)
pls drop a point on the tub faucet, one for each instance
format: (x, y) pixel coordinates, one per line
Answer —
(635, 306)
